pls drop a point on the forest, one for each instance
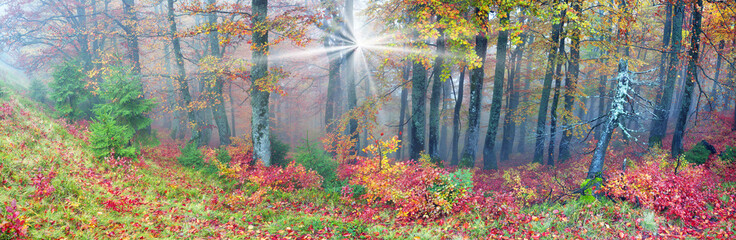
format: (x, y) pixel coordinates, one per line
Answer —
(367, 119)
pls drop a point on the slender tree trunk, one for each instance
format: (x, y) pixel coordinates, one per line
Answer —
(333, 87)
(131, 35)
(546, 87)
(456, 119)
(713, 91)
(232, 109)
(82, 37)
(402, 113)
(692, 78)
(571, 87)
(349, 75)
(434, 102)
(217, 101)
(443, 149)
(523, 128)
(601, 103)
(659, 124)
(183, 86)
(489, 147)
(204, 115)
(555, 102)
(171, 122)
(476, 89)
(260, 130)
(509, 126)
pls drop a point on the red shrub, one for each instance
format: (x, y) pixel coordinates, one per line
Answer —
(415, 189)
(6, 110)
(12, 224)
(243, 169)
(687, 195)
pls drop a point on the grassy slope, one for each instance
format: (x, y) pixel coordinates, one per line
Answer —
(61, 192)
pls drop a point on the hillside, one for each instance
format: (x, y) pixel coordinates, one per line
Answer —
(52, 188)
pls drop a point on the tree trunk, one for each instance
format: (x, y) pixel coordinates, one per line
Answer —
(546, 87)
(434, 102)
(601, 103)
(509, 125)
(692, 78)
(131, 35)
(217, 101)
(333, 86)
(185, 98)
(713, 92)
(456, 119)
(349, 75)
(555, 102)
(476, 90)
(617, 111)
(232, 109)
(418, 117)
(82, 37)
(260, 130)
(571, 87)
(489, 147)
(443, 149)
(523, 128)
(659, 124)
(402, 112)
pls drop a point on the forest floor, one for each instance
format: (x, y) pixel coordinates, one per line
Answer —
(52, 188)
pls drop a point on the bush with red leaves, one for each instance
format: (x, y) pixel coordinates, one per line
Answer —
(691, 194)
(12, 224)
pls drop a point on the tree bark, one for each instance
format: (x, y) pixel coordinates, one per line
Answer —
(546, 87)
(260, 130)
(692, 78)
(349, 75)
(333, 86)
(434, 102)
(714, 90)
(571, 87)
(215, 85)
(523, 128)
(82, 37)
(555, 102)
(418, 108)
(131, 35)
(509, 126)
(659, 124)
(476, 89)
(617, 110)
(444, 150)
(183, 86)
(402, 112)
(489, 147)
(456, 119)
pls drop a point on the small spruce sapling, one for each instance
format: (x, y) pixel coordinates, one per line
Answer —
(68, 90)
(122, 94)
(108, 137)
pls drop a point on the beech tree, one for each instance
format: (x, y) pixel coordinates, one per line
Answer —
(659, 124)
(691, 79)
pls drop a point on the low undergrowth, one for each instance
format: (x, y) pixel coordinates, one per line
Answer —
(52, 186)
